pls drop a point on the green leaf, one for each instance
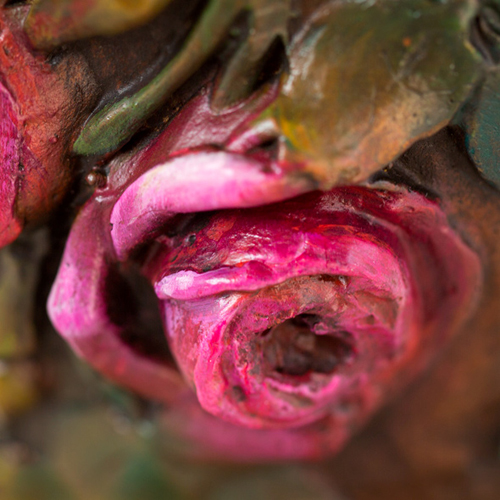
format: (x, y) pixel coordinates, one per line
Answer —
(367, 80)
(117, 122)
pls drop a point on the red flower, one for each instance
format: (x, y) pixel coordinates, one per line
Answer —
(38, 113)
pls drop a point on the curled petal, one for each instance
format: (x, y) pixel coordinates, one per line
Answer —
(78, 307)
(193, 183)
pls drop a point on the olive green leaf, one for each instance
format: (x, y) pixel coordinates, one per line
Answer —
(117, 122)
(367, 79)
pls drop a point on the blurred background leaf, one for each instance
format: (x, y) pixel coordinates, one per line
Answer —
(52, 22)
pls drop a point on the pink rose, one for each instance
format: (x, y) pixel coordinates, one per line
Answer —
(292, 314)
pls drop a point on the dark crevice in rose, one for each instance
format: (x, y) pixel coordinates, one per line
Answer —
(266, 152)
(15, 3)
(133, 306)
(184, 225)
(273, 63)
(294, 348)
(485, 33)
(397, 173)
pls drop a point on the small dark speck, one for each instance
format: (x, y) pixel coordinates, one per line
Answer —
(238, 394)
(14, 3)
(55, 58)
(191, 239)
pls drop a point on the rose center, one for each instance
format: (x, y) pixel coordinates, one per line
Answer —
(305, 344)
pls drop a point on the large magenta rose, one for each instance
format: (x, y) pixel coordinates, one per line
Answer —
(292, 314)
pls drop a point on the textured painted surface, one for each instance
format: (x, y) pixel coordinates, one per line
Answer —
(38, 113)
(295, 318)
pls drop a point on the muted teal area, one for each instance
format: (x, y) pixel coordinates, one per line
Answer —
(480, 119)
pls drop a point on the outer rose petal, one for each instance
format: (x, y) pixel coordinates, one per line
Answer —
(9, 171)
